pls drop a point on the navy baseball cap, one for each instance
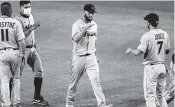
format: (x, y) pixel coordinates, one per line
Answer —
(90, 8)
(152, 17)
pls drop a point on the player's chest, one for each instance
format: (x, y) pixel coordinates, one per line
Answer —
(27, 23)
(86, 35)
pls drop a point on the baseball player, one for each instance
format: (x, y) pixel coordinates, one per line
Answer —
(33, 58)
(169, 94)
(154, 44)
(84, 36)
(12, 54)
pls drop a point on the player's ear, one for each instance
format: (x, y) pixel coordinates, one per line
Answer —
(157, 22)
(84, 12)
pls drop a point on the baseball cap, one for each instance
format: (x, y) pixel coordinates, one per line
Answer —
(90, 8)
(152, 17)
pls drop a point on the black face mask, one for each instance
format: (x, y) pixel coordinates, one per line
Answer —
(26, 16)
(89, 20)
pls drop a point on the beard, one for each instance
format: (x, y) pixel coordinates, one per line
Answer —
(87, 18)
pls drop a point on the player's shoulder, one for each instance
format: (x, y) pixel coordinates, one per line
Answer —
(149, 34)
(11, 19)
(146, 35)
(78, 21)
(16, 21)
(18, 17)
(163, 31)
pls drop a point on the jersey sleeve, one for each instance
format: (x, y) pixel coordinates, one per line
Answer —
(75, 29)
(20, 21)
(167, 42)
(19, 31)
(143, 44)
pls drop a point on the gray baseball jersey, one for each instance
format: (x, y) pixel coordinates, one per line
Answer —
(26, 24)
(11, 32)
(87, 44)
(154, 44)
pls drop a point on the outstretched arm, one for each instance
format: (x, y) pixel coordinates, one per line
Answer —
(135, 52)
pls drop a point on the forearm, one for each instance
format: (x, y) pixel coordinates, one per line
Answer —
(27, 32)
(79, 35)
(136, 52)
(22, 46)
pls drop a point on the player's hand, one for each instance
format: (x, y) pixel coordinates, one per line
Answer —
(24, 60)
(88, 26)
(35, 26)
(128, 51)
(23, 57)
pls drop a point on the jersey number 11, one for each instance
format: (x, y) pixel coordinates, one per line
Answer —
(4, 35)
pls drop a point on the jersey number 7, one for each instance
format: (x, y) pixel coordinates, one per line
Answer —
(160, 46)
(4, 35)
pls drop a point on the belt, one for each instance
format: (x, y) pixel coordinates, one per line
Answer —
(9, 49)
(87, 54)
(29, 46)
(156, 63)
